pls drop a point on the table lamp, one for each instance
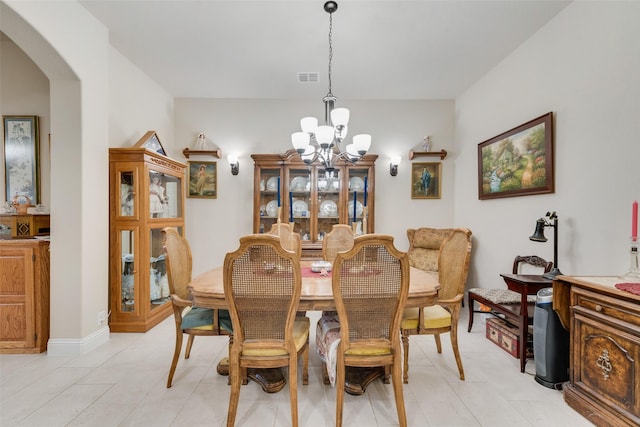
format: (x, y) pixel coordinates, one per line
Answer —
(550, 220)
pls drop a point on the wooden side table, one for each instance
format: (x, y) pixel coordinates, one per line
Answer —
(525, 284)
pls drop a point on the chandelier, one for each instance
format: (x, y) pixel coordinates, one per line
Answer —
(323, 143)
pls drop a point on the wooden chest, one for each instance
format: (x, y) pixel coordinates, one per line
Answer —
(504, 335)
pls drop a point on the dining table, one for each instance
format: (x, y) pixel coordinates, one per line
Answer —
(207, 290)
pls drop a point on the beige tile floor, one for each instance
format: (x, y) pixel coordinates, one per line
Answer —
(122, 383)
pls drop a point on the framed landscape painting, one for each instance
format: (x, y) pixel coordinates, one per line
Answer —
(202, 180)
(21, 157)
(518, 162)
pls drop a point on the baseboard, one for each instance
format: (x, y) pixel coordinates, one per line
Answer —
(77, 347)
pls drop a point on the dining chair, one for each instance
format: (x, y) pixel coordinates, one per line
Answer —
(453, 266)
(189, 320)
(339, 239)
(289, 239)
(262, 285)
(370, 286)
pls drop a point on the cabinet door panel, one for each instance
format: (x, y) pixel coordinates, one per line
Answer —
(17, 321)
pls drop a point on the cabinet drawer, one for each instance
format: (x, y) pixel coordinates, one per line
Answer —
(602, 305)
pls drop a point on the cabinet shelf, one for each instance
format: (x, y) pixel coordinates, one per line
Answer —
(215, 153)
(441, 153)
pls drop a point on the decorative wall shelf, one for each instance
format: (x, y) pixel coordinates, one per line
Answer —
(441, 153)
(215, 153)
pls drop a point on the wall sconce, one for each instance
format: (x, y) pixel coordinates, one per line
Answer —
(538, 236)
(233, 162)
(393, 166)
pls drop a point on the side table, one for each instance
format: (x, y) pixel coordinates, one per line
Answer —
(525, 284)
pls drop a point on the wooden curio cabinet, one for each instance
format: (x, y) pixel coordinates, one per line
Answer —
(146, 194)
(313, 198)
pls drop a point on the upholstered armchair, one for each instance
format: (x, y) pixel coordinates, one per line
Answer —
(447, 252)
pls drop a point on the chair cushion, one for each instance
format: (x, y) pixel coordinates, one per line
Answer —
(434, 317)
(197, 318)
(501, 296)
(300, 336)
(424, 259)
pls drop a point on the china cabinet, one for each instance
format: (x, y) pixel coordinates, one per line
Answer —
(24, 295)
(146, 195)
(312, 198)
(604, 328)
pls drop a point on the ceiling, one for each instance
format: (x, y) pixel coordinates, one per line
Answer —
(390, 49)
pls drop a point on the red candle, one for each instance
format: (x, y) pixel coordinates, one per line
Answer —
(634, 220)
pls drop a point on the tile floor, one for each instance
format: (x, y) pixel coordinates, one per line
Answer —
(122, 383)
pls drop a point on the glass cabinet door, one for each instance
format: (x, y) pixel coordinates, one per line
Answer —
(158, 280)
(328, 185)
(357, 200)
(165, 195)
(128, 242)
(126, 200)
(270, 198)
(299, 203)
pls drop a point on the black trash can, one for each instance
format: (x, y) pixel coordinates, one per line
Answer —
(550, 343)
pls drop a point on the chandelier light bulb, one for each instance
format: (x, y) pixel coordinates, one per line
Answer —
(362, 143)
(340, 117)
(324, 135)
(309, 124)
(300, 141)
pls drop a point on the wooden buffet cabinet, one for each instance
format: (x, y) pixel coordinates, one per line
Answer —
(604, 324)
(312, 198)
(24, 295)
(146, 194)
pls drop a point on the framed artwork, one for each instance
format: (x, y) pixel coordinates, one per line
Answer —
(202, 179)
(21, 157)
(518, 162)
(150, 141)
(426, 180)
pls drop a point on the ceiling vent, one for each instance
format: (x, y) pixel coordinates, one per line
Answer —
(309, 77)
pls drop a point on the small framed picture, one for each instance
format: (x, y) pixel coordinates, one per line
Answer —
(426, 180)
(202, 180)
(21, 152)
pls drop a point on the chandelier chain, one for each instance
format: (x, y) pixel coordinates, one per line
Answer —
(330, 49)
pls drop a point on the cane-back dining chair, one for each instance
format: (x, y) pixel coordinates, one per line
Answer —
(453, 265)
(189, 320)
(289, 239)
(370, 287)
(262, 285)
(339, 239)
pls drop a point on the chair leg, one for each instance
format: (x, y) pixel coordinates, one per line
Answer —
(405, 346)
(471, 312)
(234, 378)
(438, 343)
(456, 351)
(176, 356)
(293, 388)
(397, 392)
(305, 364)
(187, 352)
(340, 380)
(387, 374)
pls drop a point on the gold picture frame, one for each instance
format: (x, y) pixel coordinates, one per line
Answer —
(202, 180)
(21, 157)
(426, 180)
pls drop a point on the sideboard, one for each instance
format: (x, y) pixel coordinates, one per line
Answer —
(24, 295)
(604, 370)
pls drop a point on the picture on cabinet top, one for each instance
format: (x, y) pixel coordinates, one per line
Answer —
(518, 162)
(203, 180)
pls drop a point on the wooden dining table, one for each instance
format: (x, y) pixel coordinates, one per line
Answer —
(207, 290)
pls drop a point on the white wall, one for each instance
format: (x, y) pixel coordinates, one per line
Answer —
(583, 66)
(251, 126)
